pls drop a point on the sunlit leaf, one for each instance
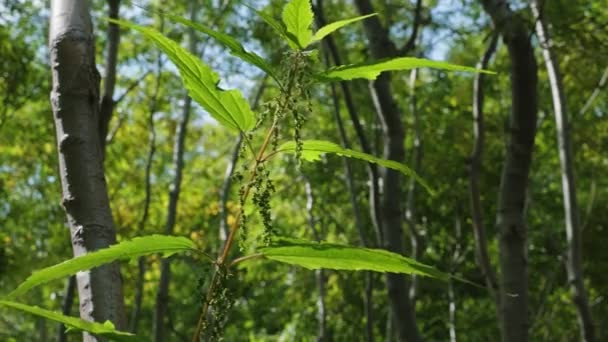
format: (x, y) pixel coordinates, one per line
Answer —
(313, 149)
(298, 17)
(153, 244)
(313, 255)
(371, 70)
(235, 47)
(106, 329)
(329, 28)
(228, 107)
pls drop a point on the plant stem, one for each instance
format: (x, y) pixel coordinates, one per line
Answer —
(258, 160)
(221, 261)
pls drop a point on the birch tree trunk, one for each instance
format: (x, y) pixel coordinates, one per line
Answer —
(510, 218)
(574, 265)
(75, 104)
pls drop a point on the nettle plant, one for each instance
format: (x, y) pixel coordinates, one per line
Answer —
(284, 115)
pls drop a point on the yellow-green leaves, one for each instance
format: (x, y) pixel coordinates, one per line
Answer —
(329, 28)
(228, 107)
(297, 20)
(298, 17)
(106, 329)
(313, 149)
(137, 247)
(371, 70)
(313, 255)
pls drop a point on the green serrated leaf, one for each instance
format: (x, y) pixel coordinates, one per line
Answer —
(228, 107)
(297, 17)
(153, 244)
(313, 149)
(278, 27)
(106, 329)
(329, 28)
(313, 255)
(235, 47)
(371, 70)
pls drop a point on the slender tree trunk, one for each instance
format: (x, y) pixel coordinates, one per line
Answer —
(457, 258)
(66, 307)
(410, 204)
(479, 230)
(601, 84)
(319, 274)
(75, 103)
(107, 101)
(510, 218)
(373, 174)
(162, 295)
(368, 299)
(574, 265)
(452, 311)
(391, 204)
(141, 261)
(372, 169)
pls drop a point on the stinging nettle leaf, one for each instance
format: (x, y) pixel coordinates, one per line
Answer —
(329, 28)
(106, 329)
(371, 70)
(313, 149)
(140, 246)
(228, 107)
(314, 255)
(298, 17)
(235, 47)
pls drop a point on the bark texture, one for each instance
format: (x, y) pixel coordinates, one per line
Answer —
(75, 104)
(510, 218)
(389, 114)
(574, 265)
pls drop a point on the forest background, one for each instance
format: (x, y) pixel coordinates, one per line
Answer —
(516, 161)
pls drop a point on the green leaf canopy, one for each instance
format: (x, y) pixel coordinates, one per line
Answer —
(153, 244)
(313, 149)
(371, 70)
(313, 255)
(106, 329)
(228, 107)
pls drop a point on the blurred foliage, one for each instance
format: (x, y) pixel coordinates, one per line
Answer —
(277, 302)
